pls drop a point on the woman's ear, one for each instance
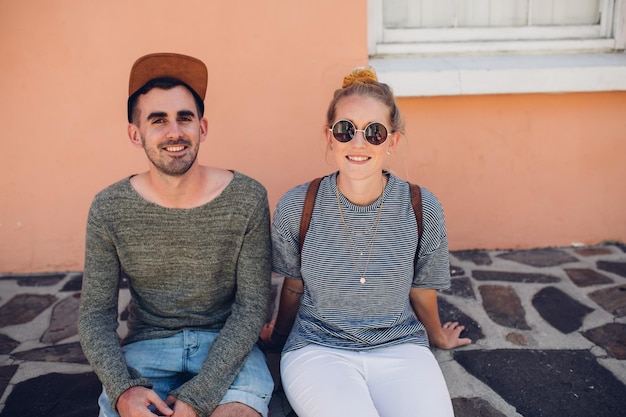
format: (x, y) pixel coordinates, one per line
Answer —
(329, 138)
(394, 139)
(134, 136)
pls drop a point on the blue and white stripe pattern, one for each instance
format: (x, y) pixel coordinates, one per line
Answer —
(336, 310)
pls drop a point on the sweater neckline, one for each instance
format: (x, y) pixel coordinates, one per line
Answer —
(221, 195)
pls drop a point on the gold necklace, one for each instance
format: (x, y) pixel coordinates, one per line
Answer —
(362, 279)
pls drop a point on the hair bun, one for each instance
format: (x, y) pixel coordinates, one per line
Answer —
(362, 75)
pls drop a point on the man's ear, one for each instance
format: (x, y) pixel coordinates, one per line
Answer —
(134, 136)
(204, 127)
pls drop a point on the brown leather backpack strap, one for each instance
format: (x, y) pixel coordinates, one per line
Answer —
(307, 210)
(416, 202)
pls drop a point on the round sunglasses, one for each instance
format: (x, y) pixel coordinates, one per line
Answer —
(344, 131)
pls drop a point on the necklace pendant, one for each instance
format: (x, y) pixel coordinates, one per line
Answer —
(362, 280)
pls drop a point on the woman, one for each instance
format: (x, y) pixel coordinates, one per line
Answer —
(356, 315)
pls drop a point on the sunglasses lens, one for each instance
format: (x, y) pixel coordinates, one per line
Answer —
(343, 131)
(376, 133)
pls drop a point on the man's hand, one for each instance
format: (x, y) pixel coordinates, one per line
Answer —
(134, 402)
(181, 408)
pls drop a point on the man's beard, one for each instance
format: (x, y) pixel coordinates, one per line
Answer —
(173, 166)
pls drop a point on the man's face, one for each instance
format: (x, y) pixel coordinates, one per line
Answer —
(169, 129)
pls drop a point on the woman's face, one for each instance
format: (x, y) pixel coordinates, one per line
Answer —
(359, 159)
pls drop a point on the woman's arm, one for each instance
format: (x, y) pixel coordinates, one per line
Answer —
(424, 303)
(290, 296)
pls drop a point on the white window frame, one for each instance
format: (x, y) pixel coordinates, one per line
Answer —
(450, 41)
(523, 60)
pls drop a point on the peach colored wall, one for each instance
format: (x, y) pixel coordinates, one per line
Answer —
(523, 171)
(511, 171)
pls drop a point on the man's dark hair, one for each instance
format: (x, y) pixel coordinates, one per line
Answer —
(165, 84)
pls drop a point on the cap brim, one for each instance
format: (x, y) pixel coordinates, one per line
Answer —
(185, 68)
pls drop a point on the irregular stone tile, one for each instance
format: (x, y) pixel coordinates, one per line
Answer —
(461, 287)
(39, 280)
(548, 383)
(448, 312)
(22, 308)
(611, 337)
(559, 309)
(55, 395)
(477, 256)
(7, 345)
(6, 373)
(618, 268)
(539, 257)
(517, 339)
(584, 277)
(64, 320)
(473, 407)
(69, 352)
(593, 251)
(522, 277)
(74, 284)
(456, 271)
(611, 299)
(503, 306)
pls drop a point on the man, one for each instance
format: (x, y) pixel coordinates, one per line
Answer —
(194, 243)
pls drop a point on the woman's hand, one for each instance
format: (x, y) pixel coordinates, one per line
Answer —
(446, 336)
(266, 333)
(274, 334)
(271, 341)
(450, 336)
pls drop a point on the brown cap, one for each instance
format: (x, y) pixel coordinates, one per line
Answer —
(185, 68)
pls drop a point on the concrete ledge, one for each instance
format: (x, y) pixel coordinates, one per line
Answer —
(504, 74)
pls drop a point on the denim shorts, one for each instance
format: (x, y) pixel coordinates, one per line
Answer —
(171, 361)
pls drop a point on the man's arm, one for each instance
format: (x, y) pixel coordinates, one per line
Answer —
(97, 321)
(242, 328)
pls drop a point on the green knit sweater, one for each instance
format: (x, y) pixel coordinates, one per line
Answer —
(204, 268)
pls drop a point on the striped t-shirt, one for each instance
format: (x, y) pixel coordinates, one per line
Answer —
(336, 309)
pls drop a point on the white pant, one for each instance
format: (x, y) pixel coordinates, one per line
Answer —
(395, 381)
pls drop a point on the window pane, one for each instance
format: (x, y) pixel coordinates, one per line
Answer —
(492, 13)
(418, 13)
(509, 13)
(437, 14)
(474, 13)
(409, 14)
(565, 12)
(395, 13)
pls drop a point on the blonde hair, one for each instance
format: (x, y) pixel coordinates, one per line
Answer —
(363, 81)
